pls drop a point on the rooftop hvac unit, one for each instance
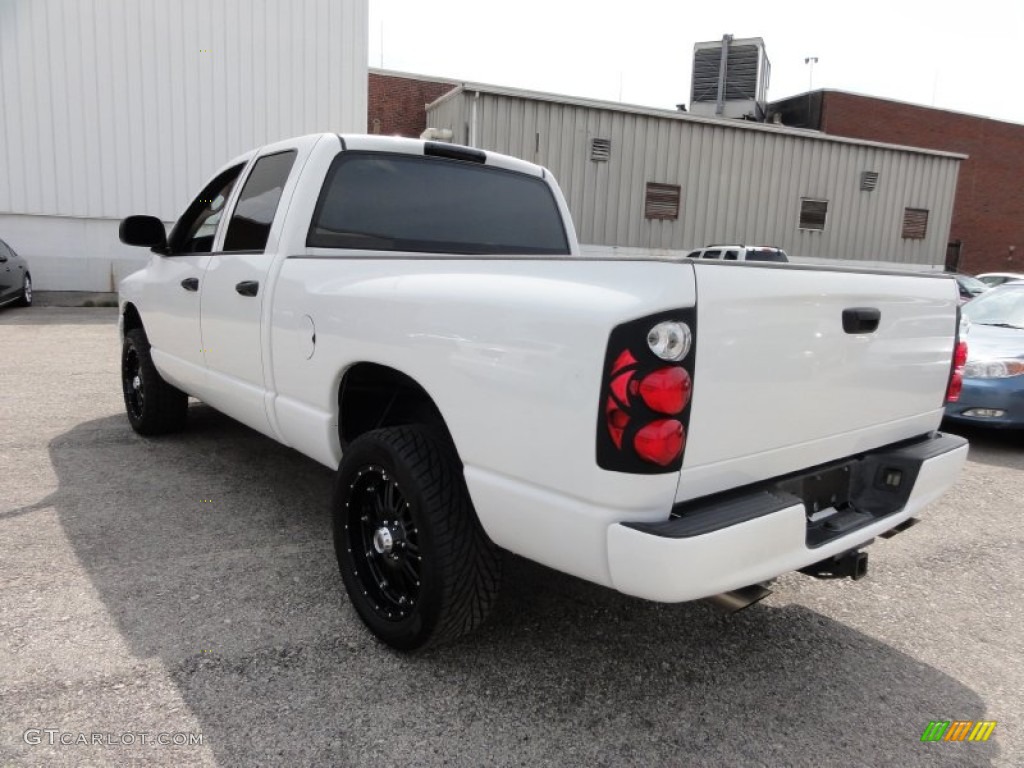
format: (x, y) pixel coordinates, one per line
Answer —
(730, 79)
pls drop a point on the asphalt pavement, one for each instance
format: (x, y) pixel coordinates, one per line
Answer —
(184, 590)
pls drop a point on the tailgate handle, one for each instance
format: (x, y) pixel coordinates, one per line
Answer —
(861, 319)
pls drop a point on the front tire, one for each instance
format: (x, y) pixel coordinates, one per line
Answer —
(26, 292)
(154, 407)
(418, 567)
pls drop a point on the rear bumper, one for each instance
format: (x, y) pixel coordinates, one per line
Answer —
(731, 542)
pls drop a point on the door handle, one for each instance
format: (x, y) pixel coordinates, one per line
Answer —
(861, 319)
(247, 287)
(190, 283)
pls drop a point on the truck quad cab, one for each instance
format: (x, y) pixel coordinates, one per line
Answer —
(417, 316)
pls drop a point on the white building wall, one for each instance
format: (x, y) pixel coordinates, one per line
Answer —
(114, 107)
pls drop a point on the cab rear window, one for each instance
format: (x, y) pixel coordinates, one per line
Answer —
(390, 202)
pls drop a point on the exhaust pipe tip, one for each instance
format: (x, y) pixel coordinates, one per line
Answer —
(859, 566)
(738, 599)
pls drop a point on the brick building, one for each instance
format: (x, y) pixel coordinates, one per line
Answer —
(397, 101)
(987, 232)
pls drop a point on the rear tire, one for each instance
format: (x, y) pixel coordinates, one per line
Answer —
(417, 565)
(154, 407)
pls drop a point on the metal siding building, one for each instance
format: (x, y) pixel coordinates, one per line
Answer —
(741, 182)
(114, 107)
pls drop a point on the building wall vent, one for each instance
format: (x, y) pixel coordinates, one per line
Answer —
(662, 201)
(813, 214)
(868, 181)
(915, 223)
(600, 149)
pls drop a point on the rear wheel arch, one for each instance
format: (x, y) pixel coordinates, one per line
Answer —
(372, 396)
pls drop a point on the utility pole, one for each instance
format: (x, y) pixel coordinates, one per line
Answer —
(811, 60)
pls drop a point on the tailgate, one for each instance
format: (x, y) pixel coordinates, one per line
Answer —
(780, 386)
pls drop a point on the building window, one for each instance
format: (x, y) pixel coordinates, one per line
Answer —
(662, 201)
(813, 214)
(600, 149)
(868, 181)
(915, 223)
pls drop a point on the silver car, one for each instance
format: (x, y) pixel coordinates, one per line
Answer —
(15, 280)
(992, 279)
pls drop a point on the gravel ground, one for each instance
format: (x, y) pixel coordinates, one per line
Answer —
(187, 585)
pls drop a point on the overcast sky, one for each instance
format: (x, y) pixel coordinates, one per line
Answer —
(966, 56)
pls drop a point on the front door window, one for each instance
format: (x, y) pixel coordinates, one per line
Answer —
(197, 227)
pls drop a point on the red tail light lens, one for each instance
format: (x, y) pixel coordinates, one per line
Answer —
(666, 390)
(624, 360)
(956, 386)
(956, 378)
(960, 356)
(660, 442)
(621, 388)
(617, 421)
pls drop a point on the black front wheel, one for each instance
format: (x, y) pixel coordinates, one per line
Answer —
(153, 406)
(418, 567)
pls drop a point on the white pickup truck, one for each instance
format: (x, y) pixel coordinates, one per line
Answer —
(418, 316)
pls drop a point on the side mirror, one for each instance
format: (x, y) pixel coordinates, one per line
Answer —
(147, 231)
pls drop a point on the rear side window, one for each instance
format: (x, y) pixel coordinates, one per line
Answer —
(388, 202)
(254, 213)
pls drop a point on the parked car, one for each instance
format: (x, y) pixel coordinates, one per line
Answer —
(739, 253)
(993, 279)
(970, 287)
(418, 317)
(15, 279)
(993, 376)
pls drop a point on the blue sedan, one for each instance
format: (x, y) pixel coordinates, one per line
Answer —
(993, 391)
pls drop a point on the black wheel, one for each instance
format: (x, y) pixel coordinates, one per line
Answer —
(418, 567)
(154, 406)
(26, 292)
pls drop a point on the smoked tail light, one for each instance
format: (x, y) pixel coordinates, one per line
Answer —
(646, 391)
